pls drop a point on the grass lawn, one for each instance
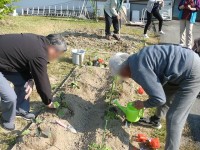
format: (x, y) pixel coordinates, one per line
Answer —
(84, 34)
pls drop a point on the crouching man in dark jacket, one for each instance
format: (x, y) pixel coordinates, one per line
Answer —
(23, 61)
(170, 75)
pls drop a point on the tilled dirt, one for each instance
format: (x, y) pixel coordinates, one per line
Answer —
(95, 40)
(86, 114)
(88, 106)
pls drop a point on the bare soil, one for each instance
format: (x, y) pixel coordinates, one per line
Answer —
(88, 106)
(86, 114)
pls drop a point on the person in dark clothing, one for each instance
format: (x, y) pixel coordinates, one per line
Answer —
(24, 59)
(153, 7)
(112, 16)
(170, 75)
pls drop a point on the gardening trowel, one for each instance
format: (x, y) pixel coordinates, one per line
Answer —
(67, 127)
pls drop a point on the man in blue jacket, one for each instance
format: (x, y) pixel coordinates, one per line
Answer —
(170, 75)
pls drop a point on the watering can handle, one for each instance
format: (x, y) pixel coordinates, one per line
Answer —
(141, 113)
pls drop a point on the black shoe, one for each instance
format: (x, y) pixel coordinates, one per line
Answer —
(198, 96)
(10, 126)
(153, 121)
(117, 37)
(26, 115)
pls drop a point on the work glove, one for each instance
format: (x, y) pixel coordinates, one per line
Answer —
(28, 88)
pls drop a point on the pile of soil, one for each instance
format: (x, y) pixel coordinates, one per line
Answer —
(88, 106)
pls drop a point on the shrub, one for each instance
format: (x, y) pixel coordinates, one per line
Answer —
(6, 7)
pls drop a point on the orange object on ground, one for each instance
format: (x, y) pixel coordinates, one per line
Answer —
(140, 90)
(154, 143)
(101, 61)
(141, 138)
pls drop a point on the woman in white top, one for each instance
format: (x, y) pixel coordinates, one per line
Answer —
(153, 7)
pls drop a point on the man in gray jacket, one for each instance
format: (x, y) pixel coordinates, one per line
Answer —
(111, 10)
(170, 75)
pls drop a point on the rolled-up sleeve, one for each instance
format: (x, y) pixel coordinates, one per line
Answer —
(113, 7)
(38, 68)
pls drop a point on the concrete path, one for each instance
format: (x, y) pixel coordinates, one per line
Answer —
(171, 28)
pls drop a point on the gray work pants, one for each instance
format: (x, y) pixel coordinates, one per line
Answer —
(179, 102)
(12, 100)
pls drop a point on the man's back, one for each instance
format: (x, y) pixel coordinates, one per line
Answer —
(154, 66)
(168, 62)
(17, 50)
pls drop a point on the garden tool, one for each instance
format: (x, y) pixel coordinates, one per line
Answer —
(67, 127)
(132, 114)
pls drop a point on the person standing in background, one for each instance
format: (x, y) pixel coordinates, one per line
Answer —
(112, 16)
(187, 15)
(153, 7)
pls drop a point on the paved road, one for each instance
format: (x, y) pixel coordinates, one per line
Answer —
(171, 29)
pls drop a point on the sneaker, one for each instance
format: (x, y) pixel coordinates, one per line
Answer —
(161, 32)
(26, 115)
(8, 125)
(117, 37)
(152, 122)
(146, 36)
(108, 37)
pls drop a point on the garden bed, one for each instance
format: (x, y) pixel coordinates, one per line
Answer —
(85, 111)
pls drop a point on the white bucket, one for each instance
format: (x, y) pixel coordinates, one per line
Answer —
(78, 56)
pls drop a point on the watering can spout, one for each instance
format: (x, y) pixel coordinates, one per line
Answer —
(120, 106)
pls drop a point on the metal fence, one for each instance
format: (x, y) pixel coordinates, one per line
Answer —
(68, 9)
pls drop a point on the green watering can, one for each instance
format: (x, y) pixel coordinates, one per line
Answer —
(132, 114)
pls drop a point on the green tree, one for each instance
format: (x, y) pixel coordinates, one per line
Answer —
(6, 7)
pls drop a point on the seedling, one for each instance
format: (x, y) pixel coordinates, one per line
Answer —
(26, 132)
(74, 83)
(95, 146)
(56, 104)
(110, 114)
(38, 121)
(61, 106)
(98, 62)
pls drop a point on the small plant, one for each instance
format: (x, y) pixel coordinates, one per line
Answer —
(61, 106)
(56, 104)
(74, 83)
(98, 62)
(26, 132)
(111, 113)
(95, 146)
